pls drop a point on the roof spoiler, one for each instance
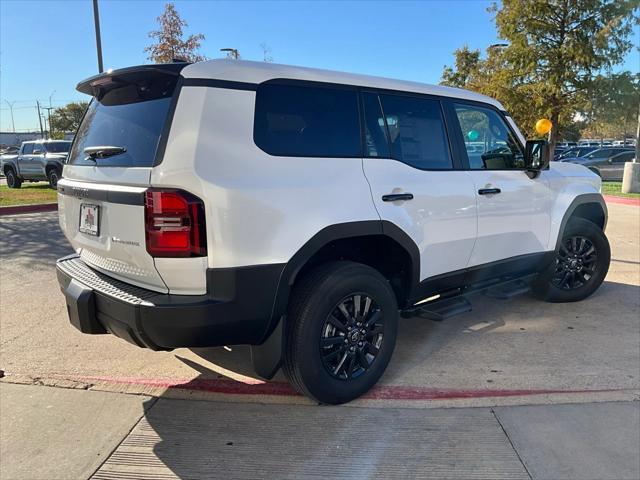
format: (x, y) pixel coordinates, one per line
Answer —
(103, 82)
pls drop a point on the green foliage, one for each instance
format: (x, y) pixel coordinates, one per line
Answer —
(614, 106)
(67, 118)
(555, 51)
(169, 43)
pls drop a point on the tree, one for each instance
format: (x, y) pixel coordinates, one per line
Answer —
(169, 43)
(614, 105)
(556, 47)
(67, 119)
(466, 71)
(555, 50)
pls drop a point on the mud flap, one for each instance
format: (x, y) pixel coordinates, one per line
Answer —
(267, 357)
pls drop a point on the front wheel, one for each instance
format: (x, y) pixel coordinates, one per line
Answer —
(341, 331)
(53, 175)
(582, 262)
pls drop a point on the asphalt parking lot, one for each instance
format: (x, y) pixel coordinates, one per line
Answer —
(500, 355)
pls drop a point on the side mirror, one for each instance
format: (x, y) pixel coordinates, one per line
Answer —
(536, 155)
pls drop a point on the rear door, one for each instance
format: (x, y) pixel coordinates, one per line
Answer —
(101, 199)
(513, 209)
(415, 180)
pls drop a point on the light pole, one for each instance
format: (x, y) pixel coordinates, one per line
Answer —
(231, 52)
(96, 21)
(13, 123)
(49, 112)
(40, 119)
(48, 109)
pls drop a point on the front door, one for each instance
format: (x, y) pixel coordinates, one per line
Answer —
(513, 209)
(25, 160)
(414, 182)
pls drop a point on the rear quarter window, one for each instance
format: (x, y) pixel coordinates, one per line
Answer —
(307, 121)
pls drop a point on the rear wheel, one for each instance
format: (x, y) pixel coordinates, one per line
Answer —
(53, 175)
(582, 262)
(12, 179)
(341, 332)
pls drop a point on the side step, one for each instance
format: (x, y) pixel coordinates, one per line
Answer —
(507, 290)
(439, 310)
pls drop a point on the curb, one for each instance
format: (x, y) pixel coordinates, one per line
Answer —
(622, 200)
(34, 208)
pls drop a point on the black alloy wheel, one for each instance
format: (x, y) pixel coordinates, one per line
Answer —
(576, 263)
(352, 336)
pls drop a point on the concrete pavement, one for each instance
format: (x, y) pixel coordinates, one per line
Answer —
(54, 433)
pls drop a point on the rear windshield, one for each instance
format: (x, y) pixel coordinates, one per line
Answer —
(133, 117)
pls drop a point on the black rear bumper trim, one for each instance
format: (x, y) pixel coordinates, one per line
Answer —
(236, 310)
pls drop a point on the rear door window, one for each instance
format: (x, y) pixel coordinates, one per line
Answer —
(416, 132)
(296, 120)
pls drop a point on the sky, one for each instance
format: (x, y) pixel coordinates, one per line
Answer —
(47, 47)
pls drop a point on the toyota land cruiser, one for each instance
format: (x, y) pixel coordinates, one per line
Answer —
(303, 212)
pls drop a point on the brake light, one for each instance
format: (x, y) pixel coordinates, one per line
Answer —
(174, 224)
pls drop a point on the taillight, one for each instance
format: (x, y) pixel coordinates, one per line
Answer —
(174, 224)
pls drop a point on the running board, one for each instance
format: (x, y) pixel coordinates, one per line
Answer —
(505, 291)
(439, 310)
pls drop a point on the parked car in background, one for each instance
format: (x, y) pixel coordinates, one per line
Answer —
(606, 162)
(558, 151)
(36, 160)
(566, 144)
(575, 152)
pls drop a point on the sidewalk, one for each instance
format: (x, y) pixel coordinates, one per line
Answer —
(60, 433)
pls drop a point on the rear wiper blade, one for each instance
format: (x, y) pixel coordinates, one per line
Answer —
(103, 151)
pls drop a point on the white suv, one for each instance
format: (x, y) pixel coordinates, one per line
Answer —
(303, 211)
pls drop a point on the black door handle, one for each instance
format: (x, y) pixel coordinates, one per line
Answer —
(489, 191)
(392, 197)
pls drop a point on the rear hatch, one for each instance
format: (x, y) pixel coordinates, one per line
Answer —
(102, 195)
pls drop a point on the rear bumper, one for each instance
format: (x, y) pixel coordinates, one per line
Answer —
(240, 314)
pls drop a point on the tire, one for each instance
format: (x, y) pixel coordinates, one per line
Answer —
(12, 179)
(348, 363)
(53, 175)
(581, 264)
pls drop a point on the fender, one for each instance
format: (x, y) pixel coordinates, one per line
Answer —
(11, 163)
(266, 357)
(582, 199)
(54, 163)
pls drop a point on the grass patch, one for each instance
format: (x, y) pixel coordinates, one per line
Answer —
(29, 193)
(615, 189)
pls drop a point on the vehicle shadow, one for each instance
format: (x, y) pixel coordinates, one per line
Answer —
(38, 241)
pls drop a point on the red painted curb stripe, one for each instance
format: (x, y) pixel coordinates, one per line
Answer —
(39, 207)
(622, 200)
(382, 392)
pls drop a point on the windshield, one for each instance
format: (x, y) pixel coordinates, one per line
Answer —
(57, 147)
(132, 117)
